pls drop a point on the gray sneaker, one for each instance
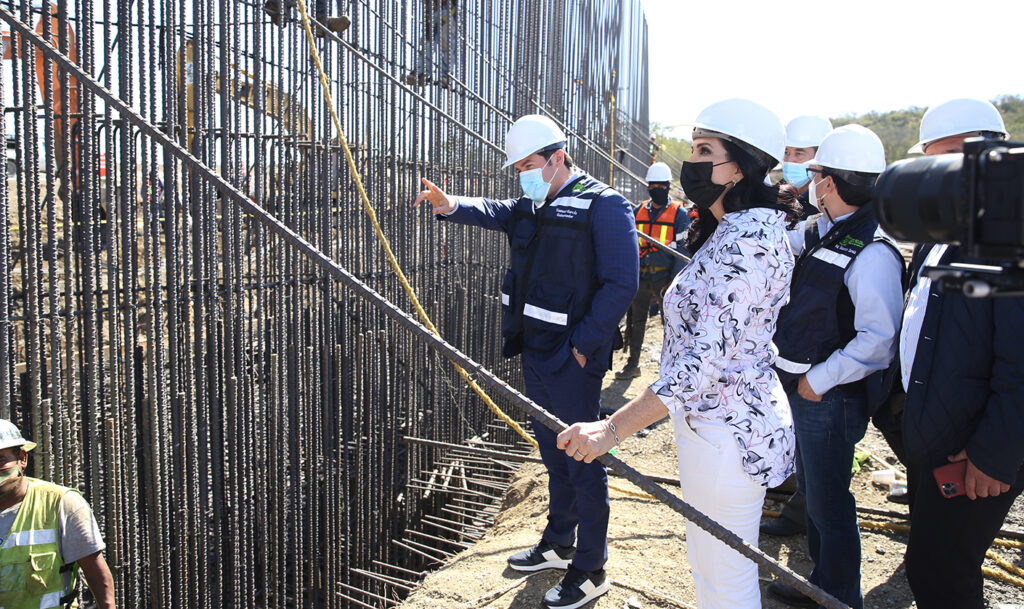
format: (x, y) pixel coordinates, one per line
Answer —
(544, 555)
(577, 588)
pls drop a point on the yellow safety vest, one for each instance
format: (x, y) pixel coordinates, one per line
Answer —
(31, 567)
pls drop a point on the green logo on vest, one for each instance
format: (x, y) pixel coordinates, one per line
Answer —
(850, 241)
(579, 187)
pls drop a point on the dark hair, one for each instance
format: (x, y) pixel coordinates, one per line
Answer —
(858, 195)
(748, 193)
(547, 154)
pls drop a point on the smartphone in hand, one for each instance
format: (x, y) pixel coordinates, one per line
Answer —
(950, 478)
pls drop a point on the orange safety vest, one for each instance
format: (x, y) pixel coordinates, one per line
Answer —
(663, 229)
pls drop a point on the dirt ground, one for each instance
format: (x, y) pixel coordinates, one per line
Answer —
(647, 542)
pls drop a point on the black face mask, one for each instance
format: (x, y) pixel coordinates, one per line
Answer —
(697, 184)
(659, 196)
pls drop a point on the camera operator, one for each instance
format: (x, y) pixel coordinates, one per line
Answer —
(962, 367)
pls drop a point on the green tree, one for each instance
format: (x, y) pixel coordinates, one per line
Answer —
(899, 129)
(670, 150)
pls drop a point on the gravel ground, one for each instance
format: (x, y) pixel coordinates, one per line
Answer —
(647, 541)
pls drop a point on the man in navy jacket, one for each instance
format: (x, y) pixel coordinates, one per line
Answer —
(572, 274)
(965, 401)
(962, 366)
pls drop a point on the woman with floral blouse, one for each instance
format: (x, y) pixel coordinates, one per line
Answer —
(731, 418)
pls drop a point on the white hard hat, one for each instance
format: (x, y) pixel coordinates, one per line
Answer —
(851, 148)
(958, 117)
(531, 133)
(659, 172)
(10, 436)
(745, 122)
(807, 131)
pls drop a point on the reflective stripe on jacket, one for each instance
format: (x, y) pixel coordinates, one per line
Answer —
(662, 228)
(820, 315)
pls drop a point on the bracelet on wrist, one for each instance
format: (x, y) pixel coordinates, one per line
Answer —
(615, 432)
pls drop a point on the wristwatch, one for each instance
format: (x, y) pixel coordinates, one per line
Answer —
(576, 352)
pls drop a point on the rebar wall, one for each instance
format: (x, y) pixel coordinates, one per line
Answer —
(233, 416)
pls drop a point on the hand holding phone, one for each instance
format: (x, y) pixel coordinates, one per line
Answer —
(962, 477)
(951, 479)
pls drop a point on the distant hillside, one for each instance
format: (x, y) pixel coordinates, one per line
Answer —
(898, 130)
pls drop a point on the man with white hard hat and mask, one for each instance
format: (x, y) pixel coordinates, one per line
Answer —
(961, 365)
(572, 275)
(666, 221)
(803, 136)
(47, 533)
(838, 330)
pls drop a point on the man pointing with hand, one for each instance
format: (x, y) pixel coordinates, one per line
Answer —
(573, 272)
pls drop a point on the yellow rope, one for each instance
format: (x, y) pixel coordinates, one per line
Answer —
(999, 560)
(1008, 543)
(630, 492)
(1003, 577)
(884, 526)
(391, 256)
(1005, 564)
(380, 233)
(1017, 577)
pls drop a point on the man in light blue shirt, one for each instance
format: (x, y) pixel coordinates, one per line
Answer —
(838, 330)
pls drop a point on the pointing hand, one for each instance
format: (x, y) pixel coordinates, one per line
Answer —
(442, 203)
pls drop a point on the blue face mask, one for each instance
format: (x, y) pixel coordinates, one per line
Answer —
(796, 174)
(533, 184)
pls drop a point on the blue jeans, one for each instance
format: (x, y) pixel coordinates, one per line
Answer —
(578, 507)
(826, 433)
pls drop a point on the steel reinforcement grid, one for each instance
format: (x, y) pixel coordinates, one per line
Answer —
(236, 419)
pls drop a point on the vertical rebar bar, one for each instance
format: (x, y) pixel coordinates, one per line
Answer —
(234, 418)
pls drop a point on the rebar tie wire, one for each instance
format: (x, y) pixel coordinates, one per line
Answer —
(431, 338)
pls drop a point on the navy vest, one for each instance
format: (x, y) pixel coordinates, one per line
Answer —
(819, 317)
(551, 278)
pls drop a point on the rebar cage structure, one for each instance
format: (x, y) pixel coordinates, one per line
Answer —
(234, 417)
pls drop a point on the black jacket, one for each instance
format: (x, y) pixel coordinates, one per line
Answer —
(966, 387)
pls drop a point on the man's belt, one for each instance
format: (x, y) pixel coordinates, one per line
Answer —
(650, 270)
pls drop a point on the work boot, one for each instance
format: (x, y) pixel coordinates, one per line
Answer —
(790, 595)
(781, 527)
(276, 10)
(335, 24)
(898, 494)
(577, 588)
(630, 371)
(338, 24)
(544, 555)
(415, 79)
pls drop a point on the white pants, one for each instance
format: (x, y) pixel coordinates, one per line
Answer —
(713, 481)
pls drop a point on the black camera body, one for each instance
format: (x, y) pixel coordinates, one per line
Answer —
(975, 199)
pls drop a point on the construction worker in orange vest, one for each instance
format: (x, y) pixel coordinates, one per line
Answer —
(665, 220)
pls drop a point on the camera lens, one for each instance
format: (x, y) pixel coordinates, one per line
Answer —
(923, 200)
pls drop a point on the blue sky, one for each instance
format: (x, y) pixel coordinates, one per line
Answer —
(830, 57)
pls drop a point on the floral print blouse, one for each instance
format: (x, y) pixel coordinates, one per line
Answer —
(716, 360)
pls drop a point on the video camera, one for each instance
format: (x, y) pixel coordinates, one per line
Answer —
(976, 200)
